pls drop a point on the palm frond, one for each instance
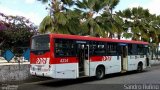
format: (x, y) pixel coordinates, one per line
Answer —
(46, 24)
(60, 18)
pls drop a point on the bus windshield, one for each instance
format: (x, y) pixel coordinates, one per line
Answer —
(41, 42)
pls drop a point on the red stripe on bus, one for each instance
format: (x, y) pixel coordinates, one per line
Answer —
(66, 36)
(96, 58)
(100, 58)
(33, 57)
(63, 60)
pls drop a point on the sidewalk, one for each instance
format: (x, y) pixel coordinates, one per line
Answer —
(12, 62)
(155, 62)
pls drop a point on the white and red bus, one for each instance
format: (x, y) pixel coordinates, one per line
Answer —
(72, 56)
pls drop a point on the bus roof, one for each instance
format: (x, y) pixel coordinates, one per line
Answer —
(77, 37)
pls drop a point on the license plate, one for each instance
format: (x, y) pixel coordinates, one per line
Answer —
(39, 68)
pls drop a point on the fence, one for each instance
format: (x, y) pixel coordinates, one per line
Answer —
(10, 56)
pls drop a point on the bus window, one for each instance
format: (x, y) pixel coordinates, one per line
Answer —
(40, 43)
(98, 48)
(141, 49)
(64, 47)
(112, 49)
(132, 49)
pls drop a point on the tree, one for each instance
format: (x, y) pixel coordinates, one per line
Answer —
(46, 25)
(89, 8)
(15, 31)
(137, 20)
(61, 18)
(97, 14)
(82, 19)
(114, 23)
(143, 26)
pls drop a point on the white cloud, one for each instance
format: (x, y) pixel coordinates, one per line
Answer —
(30, 1)
(32, 16)
(152, 6)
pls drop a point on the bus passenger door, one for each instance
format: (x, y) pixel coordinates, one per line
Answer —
(87, 61)
(83, 59)
(124, 58)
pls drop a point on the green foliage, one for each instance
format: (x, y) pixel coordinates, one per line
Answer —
(78, 20)
(17, 32)
(46, 25)
(144, 26)
(60, 18)
(82, 19)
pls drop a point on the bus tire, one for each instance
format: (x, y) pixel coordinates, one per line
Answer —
(140, 67)
(100, 72)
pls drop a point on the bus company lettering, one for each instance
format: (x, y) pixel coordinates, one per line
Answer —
(42, 60)
(105, 58)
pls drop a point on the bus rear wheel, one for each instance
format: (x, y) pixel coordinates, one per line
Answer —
(140, 67)
(100, 72)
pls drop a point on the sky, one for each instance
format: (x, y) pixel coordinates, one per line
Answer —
(35, 11)
(151, 5)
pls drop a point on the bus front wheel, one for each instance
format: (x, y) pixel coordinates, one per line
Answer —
(100, 72)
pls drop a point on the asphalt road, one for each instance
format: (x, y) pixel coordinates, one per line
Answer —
(147, 80)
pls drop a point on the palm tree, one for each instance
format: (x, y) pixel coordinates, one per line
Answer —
(89, 8)
(112, 22)
(118, 26)
(144, 26)
(111, 25)
(136, 19)
(86, 17)
(93, 14)
(155, 34)
(61, 18)
(46, 25)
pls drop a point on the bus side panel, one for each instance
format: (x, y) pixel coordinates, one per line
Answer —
(111, 66)
(133, 61)
(143, 60)
(67, 70)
